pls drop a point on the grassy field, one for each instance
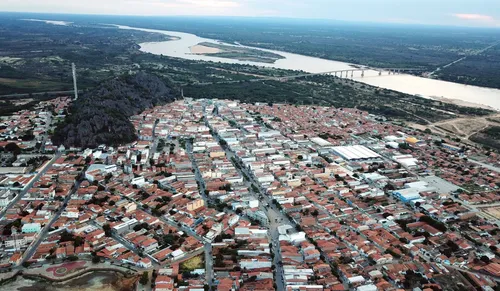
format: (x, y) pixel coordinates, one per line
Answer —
(192, 264)
(23, 85)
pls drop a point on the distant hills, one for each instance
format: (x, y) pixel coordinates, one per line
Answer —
(101, 115)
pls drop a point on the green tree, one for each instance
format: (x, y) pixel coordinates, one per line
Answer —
(107, 229)
(144, 278)
(13, 147)
(96, 259)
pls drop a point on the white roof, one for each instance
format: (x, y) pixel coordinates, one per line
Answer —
(406, 160)
(356, 152)
(283, 228)
(177, 253)
(241, 230)
(370, 287)
(321, 142)
(34, 224)
(356, 279)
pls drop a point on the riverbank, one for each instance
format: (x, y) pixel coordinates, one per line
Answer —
(464, 103)
(409, 84)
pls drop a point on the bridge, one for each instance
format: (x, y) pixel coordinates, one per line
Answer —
(338, 73)
(345, 73)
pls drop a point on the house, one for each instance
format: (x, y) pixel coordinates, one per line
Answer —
(194, 205)
(149, 244)
(144, 263)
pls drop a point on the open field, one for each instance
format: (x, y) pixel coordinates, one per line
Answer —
(482, 130)
(192, 264)
(13, 86)
(466, 126)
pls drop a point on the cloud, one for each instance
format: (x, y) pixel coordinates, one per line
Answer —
(475, 17)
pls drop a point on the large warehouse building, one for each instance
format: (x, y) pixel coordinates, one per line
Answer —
(356, 153)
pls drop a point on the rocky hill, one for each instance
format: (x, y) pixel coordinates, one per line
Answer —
(101, 115)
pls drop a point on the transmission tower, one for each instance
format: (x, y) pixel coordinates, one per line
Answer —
(73, 68)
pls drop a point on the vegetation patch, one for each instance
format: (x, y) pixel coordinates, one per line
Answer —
(101, 116)
(490, 137)
(192, 264)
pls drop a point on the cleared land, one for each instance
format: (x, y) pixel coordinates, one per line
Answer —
(482, 130)
(192, 264)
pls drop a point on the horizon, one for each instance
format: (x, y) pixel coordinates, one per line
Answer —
(461, 13)
(62, 16)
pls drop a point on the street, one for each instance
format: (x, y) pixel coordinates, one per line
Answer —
(275, 217)
(30, 184)
(34, 245)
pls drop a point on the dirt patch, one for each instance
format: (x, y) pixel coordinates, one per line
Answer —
(469, 127)
(463, 103)
(201, 50)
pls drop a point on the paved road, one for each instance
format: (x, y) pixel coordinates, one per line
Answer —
(34, 245)
(487, 166)
(152, 150)
(209, 265)
(275, 217)
(30, 184)
(39, 94)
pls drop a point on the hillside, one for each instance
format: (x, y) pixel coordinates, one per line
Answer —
(101, 115)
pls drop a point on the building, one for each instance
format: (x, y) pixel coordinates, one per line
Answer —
(407, 161)
(255, 263)
(407, 195)
(258, 215)
(194, 205)
(31, 228)
(356, 153)
(5, 197)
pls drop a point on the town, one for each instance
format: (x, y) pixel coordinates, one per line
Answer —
(222, 195)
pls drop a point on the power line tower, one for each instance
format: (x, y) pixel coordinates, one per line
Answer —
(73, 68)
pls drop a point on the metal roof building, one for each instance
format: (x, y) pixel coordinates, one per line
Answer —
(356, 152)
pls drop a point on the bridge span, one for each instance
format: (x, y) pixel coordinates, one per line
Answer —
(350, 72)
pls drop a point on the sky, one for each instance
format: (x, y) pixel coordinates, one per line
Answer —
(432, 12)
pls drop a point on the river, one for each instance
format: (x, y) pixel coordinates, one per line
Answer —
(425, 87)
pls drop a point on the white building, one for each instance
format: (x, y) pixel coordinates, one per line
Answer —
(356, 153)
(5, 196)
(255, 263)
(31, 228)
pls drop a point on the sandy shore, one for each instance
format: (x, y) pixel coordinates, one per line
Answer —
(201, 49)
(463, 103)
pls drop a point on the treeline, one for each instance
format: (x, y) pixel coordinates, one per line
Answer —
(479, 70)
(489, 137)
(331, 91)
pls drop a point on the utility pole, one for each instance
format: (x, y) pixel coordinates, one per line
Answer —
(73, 68)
